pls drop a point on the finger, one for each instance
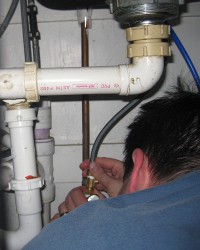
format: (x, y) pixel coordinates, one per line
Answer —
(97, 192)
(100, 187)
(111, 184)
(75, 198)
(84, 172)
(84, 165)
(55, 217)
(62, 208)
(113, 166)
(100, 175)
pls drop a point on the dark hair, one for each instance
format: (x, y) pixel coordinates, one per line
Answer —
(167, 129)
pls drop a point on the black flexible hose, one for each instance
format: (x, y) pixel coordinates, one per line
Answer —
(25, 31)
(111, 123)
(8, 17)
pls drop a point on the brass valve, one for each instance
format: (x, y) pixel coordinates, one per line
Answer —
(90, 182)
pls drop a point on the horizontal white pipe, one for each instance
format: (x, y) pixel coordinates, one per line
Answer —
(123, 80)
(12, 83)
(76, 81)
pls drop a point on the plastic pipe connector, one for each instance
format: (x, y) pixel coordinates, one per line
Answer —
(142, 75)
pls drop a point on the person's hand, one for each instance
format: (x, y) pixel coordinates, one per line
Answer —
(75, 198)
(109, 173)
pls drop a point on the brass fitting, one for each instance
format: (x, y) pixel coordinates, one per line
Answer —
(90, 182)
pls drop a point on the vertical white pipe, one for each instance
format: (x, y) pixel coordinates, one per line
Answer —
(44, 153)
(29, 228)
(45, 150)
(46, 216)
(43, 124)
(26, 183)
(20, 123)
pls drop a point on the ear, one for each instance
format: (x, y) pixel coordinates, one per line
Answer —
(140, 178)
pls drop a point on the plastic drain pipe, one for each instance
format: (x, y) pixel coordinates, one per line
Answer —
(44, 144)
(122, 80)
(147, 52)
(26, 183)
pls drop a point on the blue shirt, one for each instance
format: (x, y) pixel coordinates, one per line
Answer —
(164, 217)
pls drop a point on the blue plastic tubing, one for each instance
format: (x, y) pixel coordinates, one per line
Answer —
(186, 57)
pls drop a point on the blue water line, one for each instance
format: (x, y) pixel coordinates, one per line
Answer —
(186, 57)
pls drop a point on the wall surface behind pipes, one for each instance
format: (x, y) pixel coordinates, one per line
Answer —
(60, 46)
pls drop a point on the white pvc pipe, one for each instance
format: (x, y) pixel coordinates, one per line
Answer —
(76, 81)
(12, 83)
(20, 123)
(44, 153)
(26, 183)
(143, 74)
(43, 124)
(123, 80)
(6, 174)
(29, 228)
(6, 140)
(130, 79)
(46, 215)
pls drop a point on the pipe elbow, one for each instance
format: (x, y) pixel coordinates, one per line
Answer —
(142, 75)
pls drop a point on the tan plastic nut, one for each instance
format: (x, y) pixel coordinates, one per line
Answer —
(30, 82)
(148, 49)
(148, 32)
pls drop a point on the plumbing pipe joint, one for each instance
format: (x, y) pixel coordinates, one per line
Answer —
(27, 195)
(142, 75)
(20, 117)
(24, 185)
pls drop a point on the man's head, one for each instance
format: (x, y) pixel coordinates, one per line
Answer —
(167, 133)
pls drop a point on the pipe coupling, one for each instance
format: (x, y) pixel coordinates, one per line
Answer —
(25, 185)
(148, 40)
(30, 82)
